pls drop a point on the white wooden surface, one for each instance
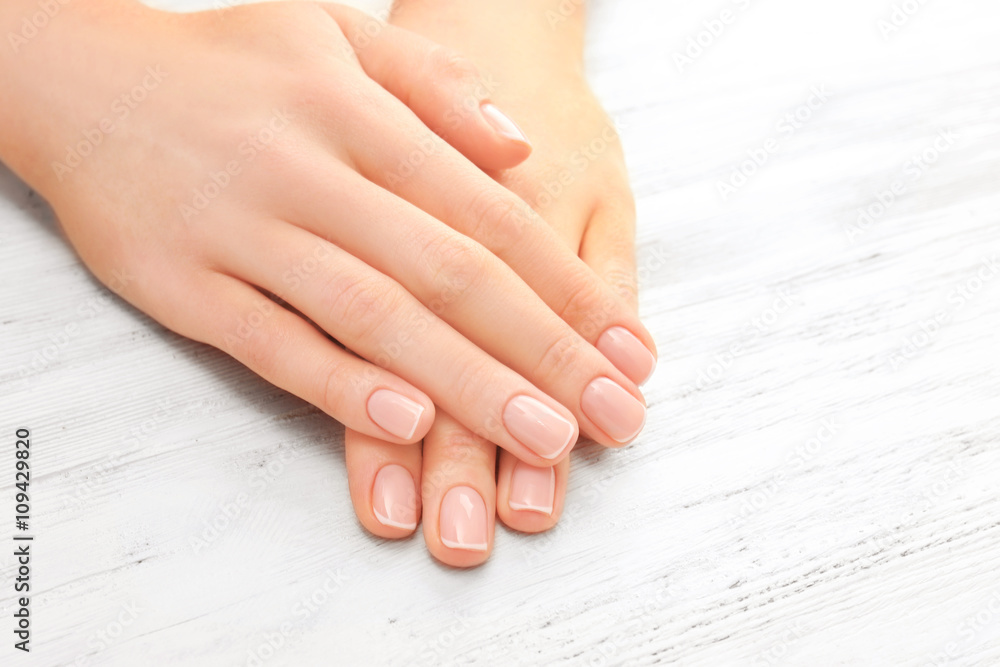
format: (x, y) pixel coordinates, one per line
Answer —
(812, 503)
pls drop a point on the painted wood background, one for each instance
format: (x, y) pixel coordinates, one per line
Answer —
(817, 483)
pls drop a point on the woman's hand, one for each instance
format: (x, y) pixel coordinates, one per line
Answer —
(201, 162)
(576, 179)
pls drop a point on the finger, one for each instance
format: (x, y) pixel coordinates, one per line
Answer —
(479, 208)
(376, 318)
(476, 293)
(443, 89)
(383, 479)
(530, 499)
(459, 493)
(608, 246)
(285, 350)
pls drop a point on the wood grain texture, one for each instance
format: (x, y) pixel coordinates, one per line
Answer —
(823, 493)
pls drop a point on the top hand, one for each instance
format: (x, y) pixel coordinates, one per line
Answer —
(198, 160)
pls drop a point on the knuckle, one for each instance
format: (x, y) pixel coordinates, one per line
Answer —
(562, 359)
(457, 264)
(499, 220)
(261, 350)
(468, 386)
(446, 64)
(278, 156)
(623, 281)
(461, 448)
(457, 454)
(361, 305)
(330, 385)
(585, 302)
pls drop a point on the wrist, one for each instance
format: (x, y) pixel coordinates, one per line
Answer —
(546, 34)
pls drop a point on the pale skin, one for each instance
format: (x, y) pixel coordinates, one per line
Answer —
(543, 84)
(446, 292)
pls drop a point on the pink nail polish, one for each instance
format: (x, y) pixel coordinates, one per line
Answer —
(538, 427)
(614, 410)
(532, 488)
(502, 123)
(627, 353)
(394, 497)
(395, 413)
(463, 520)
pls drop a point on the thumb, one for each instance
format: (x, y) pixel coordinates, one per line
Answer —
(444, 90)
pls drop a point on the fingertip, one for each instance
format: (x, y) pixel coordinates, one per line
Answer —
(513, 145)
(459, 494)
(395, 502)
(384, 480)
(403, 418)
(630, 354)
(530, 499)
(490, 139)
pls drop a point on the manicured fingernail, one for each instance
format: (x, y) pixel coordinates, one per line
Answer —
(395, 413)
(627, 353)
(463, 520)
(394, 497)
(614, 410)
(532, 488)
(502, 123)
(538, 427)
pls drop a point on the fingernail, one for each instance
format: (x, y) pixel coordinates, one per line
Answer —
(463, 520)
(502, 123)
(394, 497)
(395, 413)
(614, 410)
(538, 427)
(627, 353)
(532, 488)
